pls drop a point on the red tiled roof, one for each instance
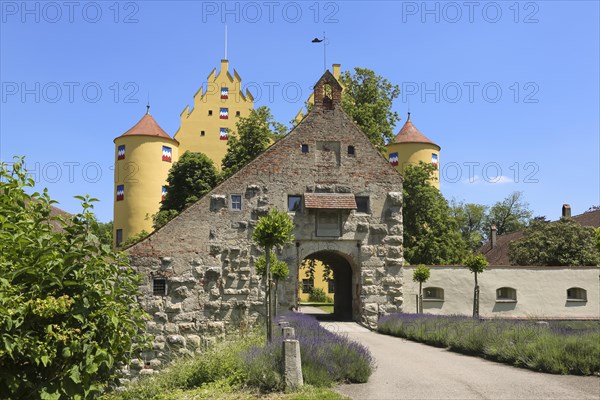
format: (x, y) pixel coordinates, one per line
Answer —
(410, 134)
(336, 201)
(499, 254)
(147, 126)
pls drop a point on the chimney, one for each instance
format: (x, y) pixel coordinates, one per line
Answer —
(336, 71)
(493, 235)
(566, 211)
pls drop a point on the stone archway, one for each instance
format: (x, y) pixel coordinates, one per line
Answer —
(346, 304)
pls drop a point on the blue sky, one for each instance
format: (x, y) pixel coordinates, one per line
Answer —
(510, 90)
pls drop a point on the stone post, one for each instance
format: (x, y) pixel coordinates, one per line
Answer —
(288, 332)
(292, 364)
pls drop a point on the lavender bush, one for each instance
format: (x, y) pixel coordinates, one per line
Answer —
(327, 358)
(558, 348)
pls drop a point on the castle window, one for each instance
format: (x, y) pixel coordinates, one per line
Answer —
(237, 114)
(202, 133)
(576, 294)
(328, 223)
(167, 154)
(331, 286)
(434, 160)
(121, 152)
(224, 93)
(506, 294)
(304, 148)
(433, 293)
(236, 202)
(294, 203)
(163, 193)
(307, 285)
(119, 238)
(224, 113)
(362, 204)
(159, 287)
(209, 113)
(120, 192)
(351, 151)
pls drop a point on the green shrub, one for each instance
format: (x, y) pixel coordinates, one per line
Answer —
(68, 310)
(317, 295)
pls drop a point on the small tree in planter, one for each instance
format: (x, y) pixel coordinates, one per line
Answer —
(279, 270)
(476, 264)
(274, 229)
(421, 274)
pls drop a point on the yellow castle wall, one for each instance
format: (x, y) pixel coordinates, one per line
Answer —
(196, 120)
(143, 174)
(412, 153)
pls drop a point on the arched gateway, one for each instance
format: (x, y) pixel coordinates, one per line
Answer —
(345, 199)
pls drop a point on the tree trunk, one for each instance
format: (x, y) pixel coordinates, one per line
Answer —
(476, 298)
(420, 298)
(275, 299)
(268, 295)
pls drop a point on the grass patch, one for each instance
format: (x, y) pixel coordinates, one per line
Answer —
(558, 348)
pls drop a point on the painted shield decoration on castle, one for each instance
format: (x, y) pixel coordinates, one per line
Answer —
(223, 135)
(121, 152)
(393, 158)
(434, 160)
(120, 192)
(224, 93)
(167, 154)
(224, 113)
(164, 193)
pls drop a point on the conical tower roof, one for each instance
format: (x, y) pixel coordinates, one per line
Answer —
(410, 134)
(147, 126)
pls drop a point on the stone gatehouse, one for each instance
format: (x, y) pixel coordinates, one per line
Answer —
(345, 200)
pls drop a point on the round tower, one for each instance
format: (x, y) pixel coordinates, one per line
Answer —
(143, 157)
(410, 146)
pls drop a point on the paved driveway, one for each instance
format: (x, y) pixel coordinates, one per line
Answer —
(408, 370)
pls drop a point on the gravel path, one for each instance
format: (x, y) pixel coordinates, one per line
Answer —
(409, 370)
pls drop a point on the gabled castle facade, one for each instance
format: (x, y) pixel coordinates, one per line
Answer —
(345, 200)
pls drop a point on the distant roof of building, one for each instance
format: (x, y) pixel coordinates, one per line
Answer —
(410, 134)
(335, 201)
(147, 126)
(55, 211)
(499, 254)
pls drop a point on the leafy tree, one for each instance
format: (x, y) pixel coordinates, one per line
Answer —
(254, 134)
(476, 263)
(367, 98)
(470, 218)
(509, 215)
(279, 271)
(274, 229)
(317, 295)
(431, 235)
(564, 242)
(68, 312)
(421, 274)
(105, 232)
(190, 178)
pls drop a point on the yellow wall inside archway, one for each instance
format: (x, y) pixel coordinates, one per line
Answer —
(318, 282)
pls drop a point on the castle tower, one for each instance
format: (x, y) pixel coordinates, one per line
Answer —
(206, 127)
(143, 156)
(410, 146)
